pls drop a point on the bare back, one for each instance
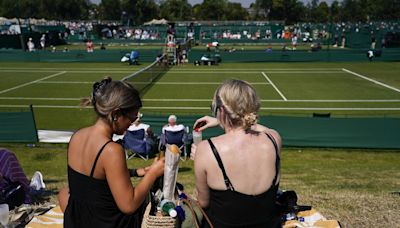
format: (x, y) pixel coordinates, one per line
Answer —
(83, 149)
(248, 158)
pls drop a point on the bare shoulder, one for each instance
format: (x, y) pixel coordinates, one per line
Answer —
(114, 150)
(272, 132)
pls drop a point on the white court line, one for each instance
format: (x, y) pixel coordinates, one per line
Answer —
(255, 72)
(273, 85)
(32, 82)
(129, 69)
(68, 71)
(157, 83)
(372, 80)
(208, 100)
(208, 108)
(174, 72)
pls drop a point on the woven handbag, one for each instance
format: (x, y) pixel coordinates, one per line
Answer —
(153, 221)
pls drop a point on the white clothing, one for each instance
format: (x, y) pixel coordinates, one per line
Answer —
(143, 126)
(174, 128)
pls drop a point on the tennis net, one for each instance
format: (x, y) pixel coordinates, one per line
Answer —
(144, 78)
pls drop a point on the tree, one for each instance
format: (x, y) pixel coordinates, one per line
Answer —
(236, 12)
(213, 10)
(335, 11)
(139, 11)
(265, 6)
(175, 10)
(110, 10)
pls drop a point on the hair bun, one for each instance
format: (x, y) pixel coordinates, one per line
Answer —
(250, 119)
(98, 87)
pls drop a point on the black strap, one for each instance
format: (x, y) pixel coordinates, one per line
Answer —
(221, 166)
(97, 158)
(277, 158)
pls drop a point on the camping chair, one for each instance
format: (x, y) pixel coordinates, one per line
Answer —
(135, 144)
(175, 137)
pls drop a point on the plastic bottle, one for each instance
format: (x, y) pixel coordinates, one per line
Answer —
(197, 136)
(167, 206)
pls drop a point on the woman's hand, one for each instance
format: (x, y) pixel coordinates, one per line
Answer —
(157, 168)
(142, 171)
(205, 122)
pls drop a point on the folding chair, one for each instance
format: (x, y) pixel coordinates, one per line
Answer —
(175, 137)
(134, 143)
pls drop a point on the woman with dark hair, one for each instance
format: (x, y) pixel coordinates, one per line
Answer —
(100, 191)
(237, 173)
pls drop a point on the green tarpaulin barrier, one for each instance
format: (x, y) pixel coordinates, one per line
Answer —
(382, 133)
(18, 127)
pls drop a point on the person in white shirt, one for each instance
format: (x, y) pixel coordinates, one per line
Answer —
(43, 42)
(31, 45)
(172, 126)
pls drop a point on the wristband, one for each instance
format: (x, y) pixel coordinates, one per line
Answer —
(133, 173)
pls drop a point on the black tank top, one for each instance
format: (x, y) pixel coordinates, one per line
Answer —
(91, 203)
(229, 208)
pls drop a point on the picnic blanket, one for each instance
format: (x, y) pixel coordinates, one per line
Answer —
(312, 218)
(52, 218)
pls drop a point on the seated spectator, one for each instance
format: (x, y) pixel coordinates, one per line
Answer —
(237, 173)
(149, 135)
(12, 176)
(172, 126)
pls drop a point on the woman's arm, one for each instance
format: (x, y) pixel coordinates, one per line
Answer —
(127, 197)
(200, 163)
(63, 197)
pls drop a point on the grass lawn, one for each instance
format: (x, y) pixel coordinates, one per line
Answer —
(353, 186)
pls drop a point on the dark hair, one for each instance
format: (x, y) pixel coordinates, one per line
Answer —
(109, 95)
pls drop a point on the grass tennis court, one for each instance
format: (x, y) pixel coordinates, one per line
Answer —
(351, 185)
(342, 89)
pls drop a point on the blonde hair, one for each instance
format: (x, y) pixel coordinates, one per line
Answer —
(240, 102)
(108, 96)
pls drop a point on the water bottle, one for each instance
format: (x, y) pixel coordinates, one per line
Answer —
(197, 136)
(168, 207)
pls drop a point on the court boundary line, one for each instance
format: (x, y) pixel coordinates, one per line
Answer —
(32, 82)
(157, 83)
(207, 108)
(173, 72)
(207, 100)
(273, 85)
(371, 80)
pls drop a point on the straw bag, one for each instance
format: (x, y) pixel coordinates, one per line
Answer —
(152, 221)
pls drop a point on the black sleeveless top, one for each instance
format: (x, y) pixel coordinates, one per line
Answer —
(229, 208)
(91, 203)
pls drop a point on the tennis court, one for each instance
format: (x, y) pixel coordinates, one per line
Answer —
(342, 89)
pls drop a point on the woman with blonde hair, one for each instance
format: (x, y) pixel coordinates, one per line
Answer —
(100, 192)
(237, 173)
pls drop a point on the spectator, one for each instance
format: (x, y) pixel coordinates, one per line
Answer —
(294, 42)
(100, 191)
(237, 173)
(149, 135)
(172, 125)
(30, 45)
(12, 175)
(373, 41)
(43, 42)
(89, 46)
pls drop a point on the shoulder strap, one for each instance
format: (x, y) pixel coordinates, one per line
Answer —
(221, 166)
(277, 158)
(97, 158)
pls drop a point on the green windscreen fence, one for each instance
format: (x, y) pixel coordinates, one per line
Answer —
(382, 133)
(18, 127)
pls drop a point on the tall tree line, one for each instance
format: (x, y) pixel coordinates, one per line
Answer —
(138, 11)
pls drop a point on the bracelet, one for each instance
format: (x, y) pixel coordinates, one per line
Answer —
(133, 173)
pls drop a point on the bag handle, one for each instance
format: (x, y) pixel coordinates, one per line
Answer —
(189, 202)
